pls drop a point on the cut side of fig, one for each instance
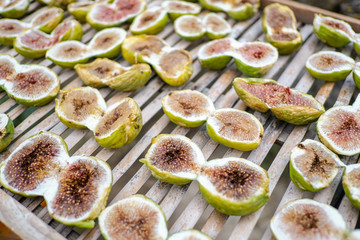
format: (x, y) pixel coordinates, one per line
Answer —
(308, 219)
(187, 108)
(47, 19)
(287, 104)
(57, 3)
(330, 66)
(189, 27)
(279, 24)
(191, 234)
(338, 129)
(174, 159)
(105, 15)
(135, 217)
(216, 26)
(30, 85)
(356, 43)
(234, 186)
(120, 124)
(6, 131)
(238, 9)
(14, 8)
(9, 29)
(331, 31)
(151, 21)
(34, 43)
(356, 74)
(105, 72)
(105, 43)
(80, 107)
(215, 55)
(351, 184)
(80, 9)
(234, 128)
(177, 9)
(75, 188)
(312, 166)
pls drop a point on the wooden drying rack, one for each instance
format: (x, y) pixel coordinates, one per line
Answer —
(184, 206)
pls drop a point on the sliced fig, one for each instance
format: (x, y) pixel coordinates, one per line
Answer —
(189, 27)
(34, 43)
(120, 124)
(279, 24)
(356, 43)
(47, 19)
(135, 217)
(216, 26)
(83, 188)
(329, 65)
(234, 128)
(69, 53)
(287, 104)
(215, 55)
(191, 234)
(14, 8)
(104, 72)
(80, 9)
(104, 15)
(6, 131)
(234, 186)
(351, 184)
(255, 58)
(174, 159)
(151, 21)
(308, 219)
(80, 107)
(338, 129)
(9, 29)
(312, 166)
(356, 74)
(30, 169)
(187, 108)
(238, 9)
(177, 9)
(57, 3)
(331, 31)
(30, 85)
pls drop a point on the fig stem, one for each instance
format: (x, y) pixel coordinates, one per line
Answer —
(356, 104)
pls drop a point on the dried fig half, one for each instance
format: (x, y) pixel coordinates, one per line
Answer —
(69, 53)
(235, 128)
(331, 31)
(151, 21)
(216, 26)
(187, 108)
(215, 55)
(47, 19)
(330, 66)
(234, 186)
(30, 85)
(308, 219)
(105, 72)
(356, 74)
(177, 9)
(189, 27)
(350, 181)
(174, 159)
(80, 9)
(119, 125)
(9, 29)
(338, 129)
(312, 166)
(135, 217)
(14, 8)
(6, 131)
(192, 234)
(287, 104)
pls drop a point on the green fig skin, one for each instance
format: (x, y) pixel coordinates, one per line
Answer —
(300, 182)
(80, 12)
(346, 182)
(7, 133)
(356, 45)
(154, 28)
(250, 70)
(330, 77)
(18, 12)
(190, 233)
(356, 79)
(51, 25)
(215, 63)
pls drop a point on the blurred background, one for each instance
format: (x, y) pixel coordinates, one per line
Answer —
(347, 7)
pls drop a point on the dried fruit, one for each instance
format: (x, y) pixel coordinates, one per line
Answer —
(234, 186)
(216, 26)
(187, 108)
(57, 3)
(252, 58)
(329, 65)
(80, 9)
(6, 131)
(75, 188)
(237, 9)
(113, 126)
(338, 129)
(104, 72)
(279, 24)
(356, 74)
(192, 234)
(177, 9)
(14, 8)
(174, 66)
(312, 166)
(287, 104)
(308, 219)
(135, 217)
(151, 21)
(30, 85)
(356, 43)
(174, 159)
(44, 20)
(105, 15)
(350, 181)
(106, 43)
(331, 31)
(235, 128)
(33, 43)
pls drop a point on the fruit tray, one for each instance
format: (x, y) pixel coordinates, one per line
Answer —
(184, 206)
